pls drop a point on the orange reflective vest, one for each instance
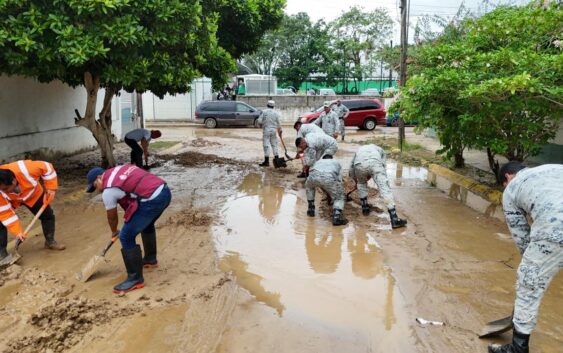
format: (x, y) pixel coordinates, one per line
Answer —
(27, 175)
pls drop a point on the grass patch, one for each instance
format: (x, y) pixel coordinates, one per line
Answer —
(162, 145)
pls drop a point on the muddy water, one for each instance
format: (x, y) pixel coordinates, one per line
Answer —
(331, 282)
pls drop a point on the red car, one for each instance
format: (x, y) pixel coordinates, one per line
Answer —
(364, 113)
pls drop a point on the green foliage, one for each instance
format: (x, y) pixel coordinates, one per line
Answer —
(493, 83)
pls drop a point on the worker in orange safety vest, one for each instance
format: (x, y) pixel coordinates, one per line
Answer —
(19, 183)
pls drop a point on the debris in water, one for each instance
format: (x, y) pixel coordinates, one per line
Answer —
(424, 322)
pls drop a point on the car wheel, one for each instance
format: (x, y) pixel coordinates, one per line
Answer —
(369, 124)
(256, 125)
(210, 123)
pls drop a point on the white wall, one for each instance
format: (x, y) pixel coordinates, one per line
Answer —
(179, 106)
(36, 116)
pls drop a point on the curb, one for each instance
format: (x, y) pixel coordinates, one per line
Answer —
(470, 192)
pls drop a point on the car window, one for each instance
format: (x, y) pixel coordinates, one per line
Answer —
(243, 108)
(219, 107)
(352, 105)
(370, 105)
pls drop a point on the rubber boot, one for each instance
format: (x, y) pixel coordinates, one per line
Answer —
(134, 264)
(520, 344)
(396, 222)
(311, 209)
(366, 209)
(327, 156)
(149, 249)
(338, 218)
(266, 162)
(48, 226)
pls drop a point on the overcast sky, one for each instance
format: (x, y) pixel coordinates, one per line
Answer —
(330, 9)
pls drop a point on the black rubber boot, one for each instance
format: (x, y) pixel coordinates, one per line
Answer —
(338, 218)
(311, 209)
(520, 344)
(366, 209)
(48, 226)
(149, 249)
(266, 162)
(327, 156)
(134, 264)
(396, 222)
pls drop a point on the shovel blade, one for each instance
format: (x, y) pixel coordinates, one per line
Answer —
(90, 268)
(10, 259)
(497, 327)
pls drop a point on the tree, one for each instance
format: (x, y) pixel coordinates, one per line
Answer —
(490, 86)
(156, 45)
(356, 36)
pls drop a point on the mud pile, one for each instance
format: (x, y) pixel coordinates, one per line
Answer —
(196, 159)
(191, 217)
(199, 142)
(10, 273)
(64, 322)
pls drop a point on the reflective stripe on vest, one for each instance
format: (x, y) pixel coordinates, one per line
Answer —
(9, 221)
(32, 181)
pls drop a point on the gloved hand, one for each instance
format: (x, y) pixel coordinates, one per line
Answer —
(20, 238)
(48, 196)
(115, 234)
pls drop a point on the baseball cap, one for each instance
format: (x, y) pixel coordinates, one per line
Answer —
(326, 104)
(91, 177)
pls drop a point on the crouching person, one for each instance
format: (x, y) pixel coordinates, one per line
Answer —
(327, 175)
(144, 197)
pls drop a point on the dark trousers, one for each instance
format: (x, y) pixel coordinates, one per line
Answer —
(136, 152)
(47, 219)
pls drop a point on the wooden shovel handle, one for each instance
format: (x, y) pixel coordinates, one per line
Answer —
(37, 215)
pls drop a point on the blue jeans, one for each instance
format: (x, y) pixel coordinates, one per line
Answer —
(143, 219)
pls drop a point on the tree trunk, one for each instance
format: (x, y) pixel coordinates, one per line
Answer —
(493, 164)
(458, 158)
(101, 128)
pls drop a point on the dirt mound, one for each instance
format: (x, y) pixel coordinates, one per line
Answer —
(10, 273)
(199, 142)
(196, 159)
(63, 323)
(192, 217)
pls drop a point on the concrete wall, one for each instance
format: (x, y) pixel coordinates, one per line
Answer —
(553, 151)
(292, 107)
(40, 117)
(179, 107)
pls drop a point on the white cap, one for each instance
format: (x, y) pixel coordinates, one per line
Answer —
(326, 104)
(271, 103)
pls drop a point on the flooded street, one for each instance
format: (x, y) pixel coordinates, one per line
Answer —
(243, 269)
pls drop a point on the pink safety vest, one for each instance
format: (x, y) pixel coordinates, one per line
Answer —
(137, 184)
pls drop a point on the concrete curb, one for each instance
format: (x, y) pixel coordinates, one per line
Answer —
(479, 197)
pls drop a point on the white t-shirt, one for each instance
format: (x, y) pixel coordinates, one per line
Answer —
(112, 195)
(138, 135)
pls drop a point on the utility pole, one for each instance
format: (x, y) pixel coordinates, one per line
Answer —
(391, 67)
(403, 70)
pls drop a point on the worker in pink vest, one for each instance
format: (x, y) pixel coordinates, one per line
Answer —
(144, 197)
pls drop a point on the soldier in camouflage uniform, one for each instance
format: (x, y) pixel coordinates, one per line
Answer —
(369, 162)
(536, 193)
(328, 121)
(316, 146)
(270, 121)
(327, 175)
(342, 111)
(302, 131)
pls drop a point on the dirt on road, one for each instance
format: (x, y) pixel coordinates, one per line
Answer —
(243, 269)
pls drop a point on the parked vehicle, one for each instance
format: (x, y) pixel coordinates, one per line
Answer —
(285, 92)
(226, 113)
(370, 92)
(364, 113)
(326, 92)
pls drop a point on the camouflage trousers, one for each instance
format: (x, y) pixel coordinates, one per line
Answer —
(541, 262)
(342, 127)
(326, 182)
(376, 170)
(269, 138)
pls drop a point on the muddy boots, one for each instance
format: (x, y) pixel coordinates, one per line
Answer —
(149, 248)
(48, 226)
(365, 206)
(266, 162)
(338, 218)
(311, 209)
(134, 264)
(520, 344)
(396, 222)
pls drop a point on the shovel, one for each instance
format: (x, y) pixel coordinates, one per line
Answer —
(95, 262)
(495, 328)
(285, 149)
(15, 256)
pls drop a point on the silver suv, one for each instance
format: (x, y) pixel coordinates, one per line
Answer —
(226, 113)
